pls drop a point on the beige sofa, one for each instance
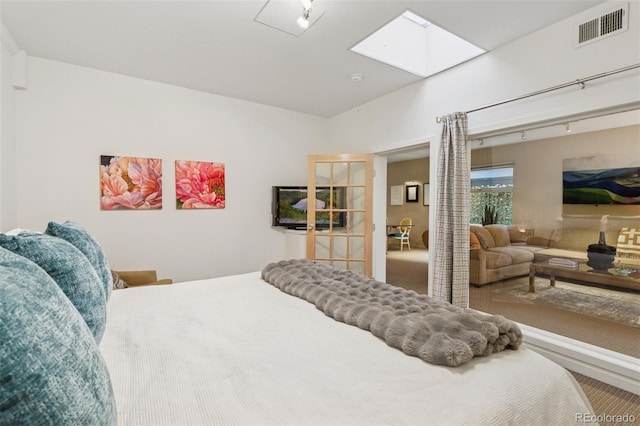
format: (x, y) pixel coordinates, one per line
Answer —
(504, 253)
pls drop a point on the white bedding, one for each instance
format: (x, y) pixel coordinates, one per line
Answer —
(235, 350)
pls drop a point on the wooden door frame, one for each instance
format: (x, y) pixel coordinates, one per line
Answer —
(368, 159)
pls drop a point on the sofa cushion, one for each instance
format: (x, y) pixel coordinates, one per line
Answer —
(500, 234)
(517, 254)
(70, 269)
(51, 370)
(474, 242)
(531, 249)
(496, 258)
(79, 237)
(485, 238)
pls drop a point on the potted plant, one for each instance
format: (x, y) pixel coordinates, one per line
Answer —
(490, 215)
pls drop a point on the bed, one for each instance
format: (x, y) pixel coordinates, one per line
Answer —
(251, 349)
(237, 350)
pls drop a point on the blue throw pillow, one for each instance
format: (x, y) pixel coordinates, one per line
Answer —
(70, 269)
(80, 238)
(51, 370)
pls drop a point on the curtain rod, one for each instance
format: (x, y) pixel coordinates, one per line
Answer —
(579, 81)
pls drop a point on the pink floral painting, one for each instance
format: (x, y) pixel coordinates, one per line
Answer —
(199, 185)
(130, 183)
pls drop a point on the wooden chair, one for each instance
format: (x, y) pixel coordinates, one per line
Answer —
(404, 229)
(142, 278)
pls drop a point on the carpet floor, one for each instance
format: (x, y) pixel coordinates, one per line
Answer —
(612, 305)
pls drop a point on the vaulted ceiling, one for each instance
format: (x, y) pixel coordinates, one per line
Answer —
(217, 46)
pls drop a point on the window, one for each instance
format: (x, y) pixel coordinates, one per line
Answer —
(416, 45)
(491, 195)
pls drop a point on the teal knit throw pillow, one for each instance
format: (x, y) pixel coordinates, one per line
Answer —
(79, 237)
(70, 269)
(51, 370)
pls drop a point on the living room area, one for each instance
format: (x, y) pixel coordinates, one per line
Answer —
(596, 307)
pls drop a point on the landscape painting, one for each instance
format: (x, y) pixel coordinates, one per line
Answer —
(130, 183)
(599, 185)
(200, 185)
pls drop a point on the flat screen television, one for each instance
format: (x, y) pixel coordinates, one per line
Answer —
(289, 207)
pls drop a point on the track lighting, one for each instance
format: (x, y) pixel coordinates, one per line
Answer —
(523, 136)
(567, 128)
(303, 21)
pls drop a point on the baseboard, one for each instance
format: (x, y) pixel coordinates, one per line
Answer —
(613, 368)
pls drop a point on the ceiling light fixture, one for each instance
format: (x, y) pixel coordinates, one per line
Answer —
(567, 127)
(303, 21)
(356, 77)
(523, 136)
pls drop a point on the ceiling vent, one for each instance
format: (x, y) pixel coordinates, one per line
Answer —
(608, 24)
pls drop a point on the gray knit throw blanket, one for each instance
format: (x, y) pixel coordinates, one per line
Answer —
(437, 332)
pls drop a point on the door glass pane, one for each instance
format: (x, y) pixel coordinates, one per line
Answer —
(356, 195)
(323, 220)
(323, 198)
(323, 173)
(356, 248)
(339, 264)
(340, 173)
(339, 222)
(357, 173)
(340, 198)
(322, 246)
(339, 247)
(356, 222)
(357, 267)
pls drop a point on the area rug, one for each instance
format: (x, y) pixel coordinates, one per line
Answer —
(618, 306)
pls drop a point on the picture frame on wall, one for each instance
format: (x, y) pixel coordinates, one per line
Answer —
(130, 183)
(425, 194)
(412, 193)
(395, 195)
(200, 185)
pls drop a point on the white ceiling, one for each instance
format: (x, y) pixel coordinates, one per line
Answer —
(216, 46)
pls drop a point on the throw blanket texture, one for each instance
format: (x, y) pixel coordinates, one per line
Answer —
(435, 331)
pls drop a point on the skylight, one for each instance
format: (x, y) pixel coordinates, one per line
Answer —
(416, 45)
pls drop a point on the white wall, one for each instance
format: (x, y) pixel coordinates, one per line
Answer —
(543, 59)
(8, 210)
(70, 115)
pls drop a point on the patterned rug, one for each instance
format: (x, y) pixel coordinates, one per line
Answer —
(619, 306)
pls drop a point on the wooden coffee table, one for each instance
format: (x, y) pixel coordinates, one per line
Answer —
(613, 277)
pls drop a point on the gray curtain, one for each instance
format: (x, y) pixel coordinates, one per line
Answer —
(451, 255)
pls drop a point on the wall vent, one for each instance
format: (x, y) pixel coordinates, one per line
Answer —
(608, 24)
